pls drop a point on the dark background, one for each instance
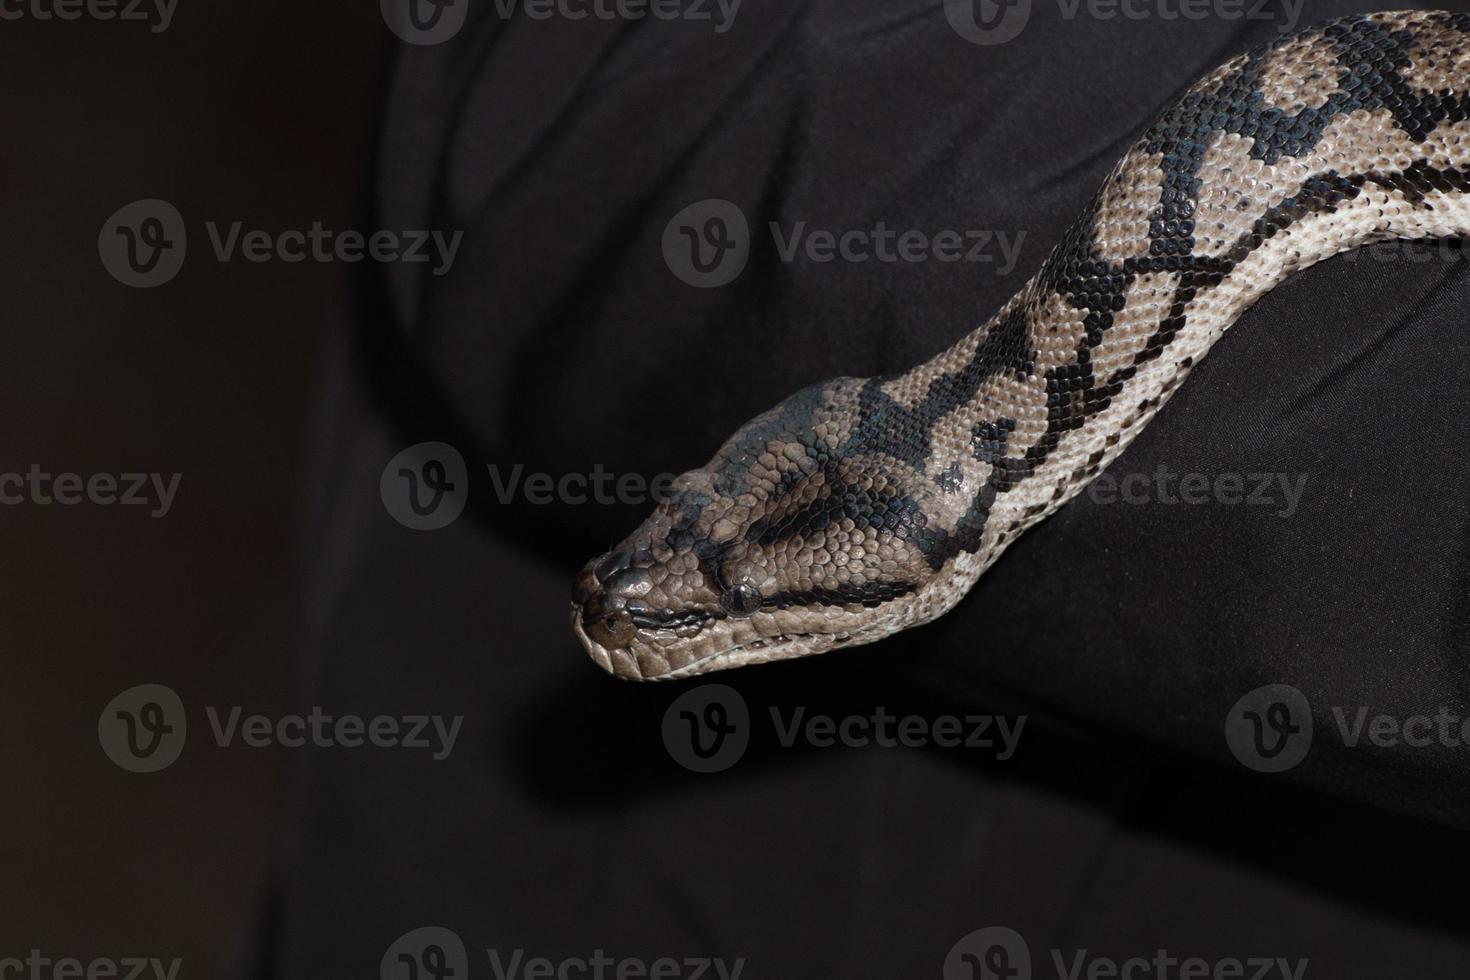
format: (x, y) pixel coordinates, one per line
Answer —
(261, 112)
(561, 341)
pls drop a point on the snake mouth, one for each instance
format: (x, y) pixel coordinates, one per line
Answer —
(683, 657)
(668, 619)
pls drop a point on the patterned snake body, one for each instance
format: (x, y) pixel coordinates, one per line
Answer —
(861, 507)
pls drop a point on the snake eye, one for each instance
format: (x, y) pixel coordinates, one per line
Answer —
(741, 600)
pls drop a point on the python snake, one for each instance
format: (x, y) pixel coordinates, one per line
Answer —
(861, 507)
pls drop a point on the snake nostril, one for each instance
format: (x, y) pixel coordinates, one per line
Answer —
(612, 563)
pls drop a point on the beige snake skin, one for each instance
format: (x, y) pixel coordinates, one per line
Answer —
(861, 507)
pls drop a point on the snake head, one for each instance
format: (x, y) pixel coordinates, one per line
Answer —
(786, 544)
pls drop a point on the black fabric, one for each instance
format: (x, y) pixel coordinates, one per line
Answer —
(560, 340)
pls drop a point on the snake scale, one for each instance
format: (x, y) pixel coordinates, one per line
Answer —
(857, 508)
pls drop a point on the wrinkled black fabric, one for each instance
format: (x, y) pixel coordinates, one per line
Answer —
(560, 340)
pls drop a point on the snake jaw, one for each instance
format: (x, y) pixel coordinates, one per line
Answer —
(647, 663)
(663, 655)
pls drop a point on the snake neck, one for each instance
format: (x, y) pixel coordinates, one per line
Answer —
(1330, 140)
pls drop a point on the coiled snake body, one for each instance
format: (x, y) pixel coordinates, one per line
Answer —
(861, 507)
